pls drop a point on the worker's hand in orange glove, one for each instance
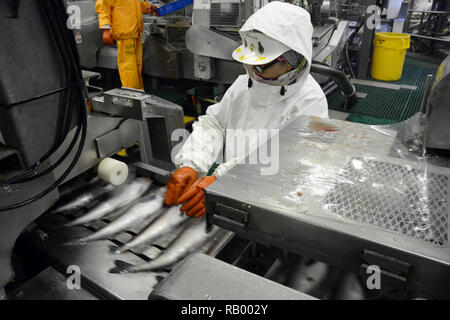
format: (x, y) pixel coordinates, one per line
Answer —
(108, 37)
(152, 10)
(194, 198)
(179, 182)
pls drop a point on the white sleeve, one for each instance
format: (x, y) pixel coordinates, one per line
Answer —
(312, 101)
(224, 167)
(204, 145)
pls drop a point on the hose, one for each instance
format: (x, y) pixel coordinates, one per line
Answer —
(346, 87)
(73, 69)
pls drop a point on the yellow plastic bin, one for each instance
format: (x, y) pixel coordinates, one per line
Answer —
(389, 55)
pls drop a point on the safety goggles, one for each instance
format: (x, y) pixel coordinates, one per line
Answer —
(284, 79)
(262, 68)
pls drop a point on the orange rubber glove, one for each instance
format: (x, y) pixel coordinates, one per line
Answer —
(108, 37)
(153, 10)
(194, 198)
(180, 180)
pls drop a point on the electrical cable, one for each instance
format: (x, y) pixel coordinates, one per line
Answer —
(82, 126)
(53, 166)
(65, 110)
(60, 179)
(64, 128)
(348, 60)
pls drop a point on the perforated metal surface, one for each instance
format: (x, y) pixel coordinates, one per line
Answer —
(225, 14)
(392, 197)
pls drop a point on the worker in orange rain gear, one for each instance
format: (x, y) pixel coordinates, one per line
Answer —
(121, 20)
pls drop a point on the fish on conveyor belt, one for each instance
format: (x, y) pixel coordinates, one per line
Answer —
(138, 213)
(124, 195)
(191, 239)
(79, 184)
(160, 191)
(162, 225)
(85, 199)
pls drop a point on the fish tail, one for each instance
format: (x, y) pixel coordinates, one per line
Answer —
(156, 264)
(73, 223)
(76, 242)
(122, 249)
(113, 249)
(64, 210)
(129, 245)
(92, 237)
(121, 267)
(79, 221)
(55, 211)
(117, 249)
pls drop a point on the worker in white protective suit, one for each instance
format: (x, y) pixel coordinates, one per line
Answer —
(277, 53)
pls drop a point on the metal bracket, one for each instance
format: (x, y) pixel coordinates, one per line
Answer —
(203, 67)
(231, 215)
(157, 121)
(145, 170)
(123, 137)
(394, 272)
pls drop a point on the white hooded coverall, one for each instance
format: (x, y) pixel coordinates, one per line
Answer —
(261, 106)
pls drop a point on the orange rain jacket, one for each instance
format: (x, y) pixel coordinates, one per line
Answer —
(124, 17)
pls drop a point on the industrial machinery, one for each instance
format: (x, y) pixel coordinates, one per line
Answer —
(165, 51)
(39, 132)
(428, 26)
(349, 196)
(196, 42)
(436, 109)
(38, 166)
(354, 196)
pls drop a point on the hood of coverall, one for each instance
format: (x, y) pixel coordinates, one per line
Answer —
(290, 25)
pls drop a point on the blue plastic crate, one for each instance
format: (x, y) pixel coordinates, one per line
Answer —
(173, 6)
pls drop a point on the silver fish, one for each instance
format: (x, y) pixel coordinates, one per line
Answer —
(190, 240)
(85, 199)
(79, 184)
(121, 197)
(147, 196)
(163, 224)
(134, 216)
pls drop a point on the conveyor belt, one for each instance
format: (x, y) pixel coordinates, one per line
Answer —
(95, 259)
(49, 285)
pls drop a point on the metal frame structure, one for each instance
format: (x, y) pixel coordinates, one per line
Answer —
(406, 263)
(428, 28)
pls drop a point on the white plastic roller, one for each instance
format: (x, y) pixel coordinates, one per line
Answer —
(112, 171)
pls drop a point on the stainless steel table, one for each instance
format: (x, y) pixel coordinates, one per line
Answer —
(350, 195)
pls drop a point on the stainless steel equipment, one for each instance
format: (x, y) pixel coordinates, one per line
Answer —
(153, 122)
(437, 134)
(349, 195)
(197, 42)
(95, 260)
(124, 117)
(428, 24)
(33, 123)
(219, 281)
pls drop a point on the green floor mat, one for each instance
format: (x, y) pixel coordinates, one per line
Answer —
(361, 118)
(389, 104)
